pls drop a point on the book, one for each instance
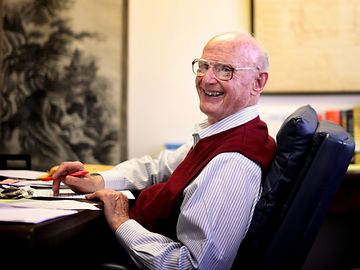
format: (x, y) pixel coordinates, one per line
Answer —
(347, 120)
(356, 132)
(333, 116)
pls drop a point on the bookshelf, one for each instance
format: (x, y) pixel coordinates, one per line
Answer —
(354, 169)
(349, 119)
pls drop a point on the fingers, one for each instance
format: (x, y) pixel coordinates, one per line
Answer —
(116, 206)
(56, 187)
(9, 181)
(91, 196)
(104, 195)
(68, 167)
(64, 169)
(110, 198)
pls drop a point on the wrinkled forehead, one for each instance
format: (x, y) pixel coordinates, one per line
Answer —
(232, 51)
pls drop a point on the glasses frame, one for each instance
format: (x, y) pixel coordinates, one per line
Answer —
(212, 63)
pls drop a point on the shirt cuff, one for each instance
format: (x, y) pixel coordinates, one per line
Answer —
(112, 180)
(130, 231)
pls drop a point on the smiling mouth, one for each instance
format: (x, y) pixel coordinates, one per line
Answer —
(213, 93)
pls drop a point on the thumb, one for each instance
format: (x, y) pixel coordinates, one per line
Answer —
(91, 196)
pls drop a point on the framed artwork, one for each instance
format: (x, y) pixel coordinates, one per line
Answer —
(63, 80)
(313, 45)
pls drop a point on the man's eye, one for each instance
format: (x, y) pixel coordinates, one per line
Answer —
(225, 68)
(203, 65)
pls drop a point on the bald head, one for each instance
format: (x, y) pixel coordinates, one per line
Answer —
(244, 47)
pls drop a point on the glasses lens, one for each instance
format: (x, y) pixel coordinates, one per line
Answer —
(222, 71)
(200, 67)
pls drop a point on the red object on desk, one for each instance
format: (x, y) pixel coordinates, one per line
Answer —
(78, 173)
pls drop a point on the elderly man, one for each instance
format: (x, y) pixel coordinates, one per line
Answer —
(196, 203)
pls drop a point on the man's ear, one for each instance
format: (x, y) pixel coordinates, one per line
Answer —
(260, 82)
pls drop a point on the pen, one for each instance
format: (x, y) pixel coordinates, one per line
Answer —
(78, 173)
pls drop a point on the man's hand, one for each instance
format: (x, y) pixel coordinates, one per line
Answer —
(79, 184)
(116, 206)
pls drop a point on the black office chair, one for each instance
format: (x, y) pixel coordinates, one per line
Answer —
(311, 160)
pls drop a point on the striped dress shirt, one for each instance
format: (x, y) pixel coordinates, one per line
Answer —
(215, 213)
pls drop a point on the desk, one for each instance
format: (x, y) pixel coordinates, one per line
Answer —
(347, 199)
(62, 242)
(337, 243)
(46, 234)
(69, 242)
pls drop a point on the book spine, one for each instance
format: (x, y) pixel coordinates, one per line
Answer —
(333, 116)
(356, 132)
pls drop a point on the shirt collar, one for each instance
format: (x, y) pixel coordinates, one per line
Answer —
(204, 129)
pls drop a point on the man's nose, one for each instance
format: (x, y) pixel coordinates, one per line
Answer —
(209, 74)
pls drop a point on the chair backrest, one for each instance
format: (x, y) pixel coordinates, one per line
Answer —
(311, 160)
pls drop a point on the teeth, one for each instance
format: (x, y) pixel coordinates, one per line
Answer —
(214, 94)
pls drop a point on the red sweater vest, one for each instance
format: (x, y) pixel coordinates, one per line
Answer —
(157, 208)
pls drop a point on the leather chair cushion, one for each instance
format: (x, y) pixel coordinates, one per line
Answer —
(294, 140)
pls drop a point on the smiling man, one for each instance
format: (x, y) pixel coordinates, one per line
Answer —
(196, 203)
(231, 74)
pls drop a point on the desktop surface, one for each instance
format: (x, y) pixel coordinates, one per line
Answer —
(66, 242)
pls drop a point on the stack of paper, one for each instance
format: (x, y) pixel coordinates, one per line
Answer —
(39, 208)
(31, 215)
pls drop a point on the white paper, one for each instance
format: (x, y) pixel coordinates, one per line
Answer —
(128, 194)
(66, 193)
(51, 204)
(22, 174)
(36, 184)
(31, 215)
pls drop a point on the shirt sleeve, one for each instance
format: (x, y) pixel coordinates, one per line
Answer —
(215, 215)
(138, 173)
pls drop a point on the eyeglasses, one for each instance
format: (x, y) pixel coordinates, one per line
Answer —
(222, 71)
